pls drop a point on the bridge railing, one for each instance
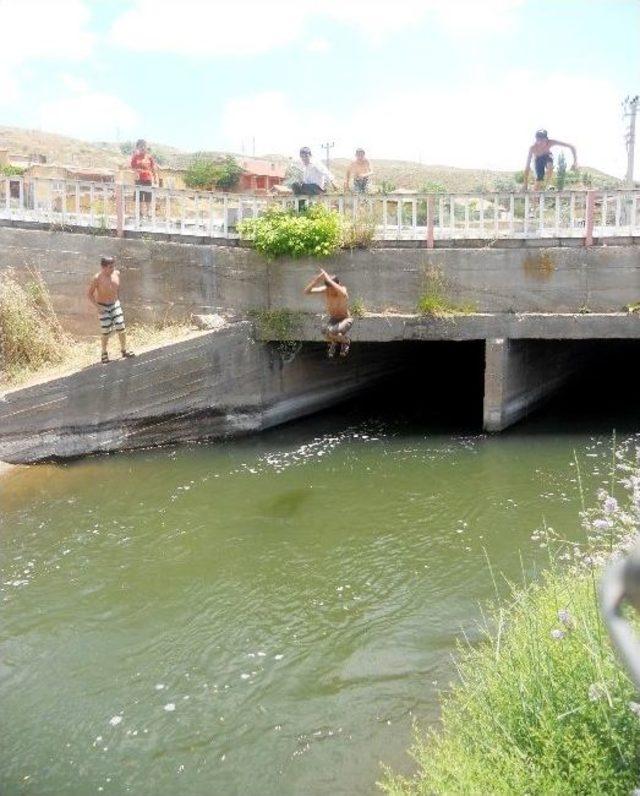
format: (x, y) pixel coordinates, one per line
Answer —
(104, 206)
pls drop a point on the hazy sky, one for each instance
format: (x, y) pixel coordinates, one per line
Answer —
(454, 82)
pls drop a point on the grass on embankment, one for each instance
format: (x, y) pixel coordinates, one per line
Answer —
(34, 347)
(543, 706)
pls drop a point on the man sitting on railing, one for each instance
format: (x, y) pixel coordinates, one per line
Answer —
(314, 178)
(144, 165)
(337, 328)
(540, 150)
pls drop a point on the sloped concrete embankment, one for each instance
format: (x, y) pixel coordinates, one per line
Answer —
(220, 384)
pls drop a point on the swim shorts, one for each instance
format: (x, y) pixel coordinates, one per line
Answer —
(360, 184)
(541, 165)
(338, 326)
(111, 317)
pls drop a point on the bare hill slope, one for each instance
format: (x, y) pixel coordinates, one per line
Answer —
(399, 173)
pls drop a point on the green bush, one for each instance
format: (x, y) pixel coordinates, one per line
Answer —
(314, 232)
(543, 705)
(12, 171)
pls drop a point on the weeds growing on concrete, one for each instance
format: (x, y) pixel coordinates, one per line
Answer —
(434, 301)
(357, 308)
(30, 334)
(279, 326)
(543, 705)
(359, 232)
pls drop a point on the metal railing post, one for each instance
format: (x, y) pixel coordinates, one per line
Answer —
(430, 221)
(589, 218)
(119, 211)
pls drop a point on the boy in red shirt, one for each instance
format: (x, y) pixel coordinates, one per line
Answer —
(144, 165)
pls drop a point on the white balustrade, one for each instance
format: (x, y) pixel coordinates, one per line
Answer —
(487, 216)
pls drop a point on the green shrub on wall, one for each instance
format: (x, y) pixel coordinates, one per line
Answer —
(314, 232)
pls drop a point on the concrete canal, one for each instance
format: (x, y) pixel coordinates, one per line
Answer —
(269, 615)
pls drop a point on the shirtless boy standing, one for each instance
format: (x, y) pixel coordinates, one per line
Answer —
(337, 328)
(103, 293)
(360, 170)
(540, 151)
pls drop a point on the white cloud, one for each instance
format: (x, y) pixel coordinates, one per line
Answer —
(40, 30)
(74, 84)
(489, 125)
(254, 27)
(92, 115)
(318, 46)
(192, 27)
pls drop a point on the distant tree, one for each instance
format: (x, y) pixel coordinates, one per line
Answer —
(505, 184)
(202, 174)
(561, 174)
(431, 186)
(519, 177)
(586, 179)
(386, 186)
(205, 174)
(127, 147)
(229, 172)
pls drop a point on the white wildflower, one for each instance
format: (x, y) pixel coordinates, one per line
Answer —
(557, 634)
(565, 617)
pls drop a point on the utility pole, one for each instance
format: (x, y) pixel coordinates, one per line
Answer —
(329, 145)
(630, 109)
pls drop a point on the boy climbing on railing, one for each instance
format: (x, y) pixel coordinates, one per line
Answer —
(540, 152)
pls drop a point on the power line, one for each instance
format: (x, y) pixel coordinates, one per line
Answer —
(630, 108)
(329, 145)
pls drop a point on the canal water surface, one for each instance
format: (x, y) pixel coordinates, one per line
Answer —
(265, 616)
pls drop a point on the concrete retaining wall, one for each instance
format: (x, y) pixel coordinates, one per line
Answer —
(215, 385)
(162, 279)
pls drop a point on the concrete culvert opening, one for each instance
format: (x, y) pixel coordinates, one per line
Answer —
(430, 385)
(600, 396)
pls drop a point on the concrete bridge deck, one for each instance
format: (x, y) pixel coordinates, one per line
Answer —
(537, 309)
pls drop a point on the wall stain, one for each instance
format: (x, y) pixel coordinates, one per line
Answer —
(539, 266)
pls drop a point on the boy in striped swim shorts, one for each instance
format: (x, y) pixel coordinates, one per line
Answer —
(103, 293)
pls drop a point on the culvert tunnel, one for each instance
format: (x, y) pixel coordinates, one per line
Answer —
(493, 384)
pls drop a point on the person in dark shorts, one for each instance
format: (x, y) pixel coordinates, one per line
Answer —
(144, 165)
(360, 171)
(314, 178)
(540, 153)
(336, 329)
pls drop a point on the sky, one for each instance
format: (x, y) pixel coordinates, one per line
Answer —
(451, 82)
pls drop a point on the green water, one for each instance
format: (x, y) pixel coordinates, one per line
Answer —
(267, 616)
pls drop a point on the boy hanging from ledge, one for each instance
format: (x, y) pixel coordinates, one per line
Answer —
(337, 328)
(103, 293)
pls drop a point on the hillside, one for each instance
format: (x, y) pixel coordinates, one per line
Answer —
(400, 173)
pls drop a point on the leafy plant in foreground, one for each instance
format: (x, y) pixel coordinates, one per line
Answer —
(313, 232)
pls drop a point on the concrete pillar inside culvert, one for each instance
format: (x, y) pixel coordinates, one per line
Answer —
(520, 374)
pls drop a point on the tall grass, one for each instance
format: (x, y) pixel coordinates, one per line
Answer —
(543, 706)
(30, 333)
